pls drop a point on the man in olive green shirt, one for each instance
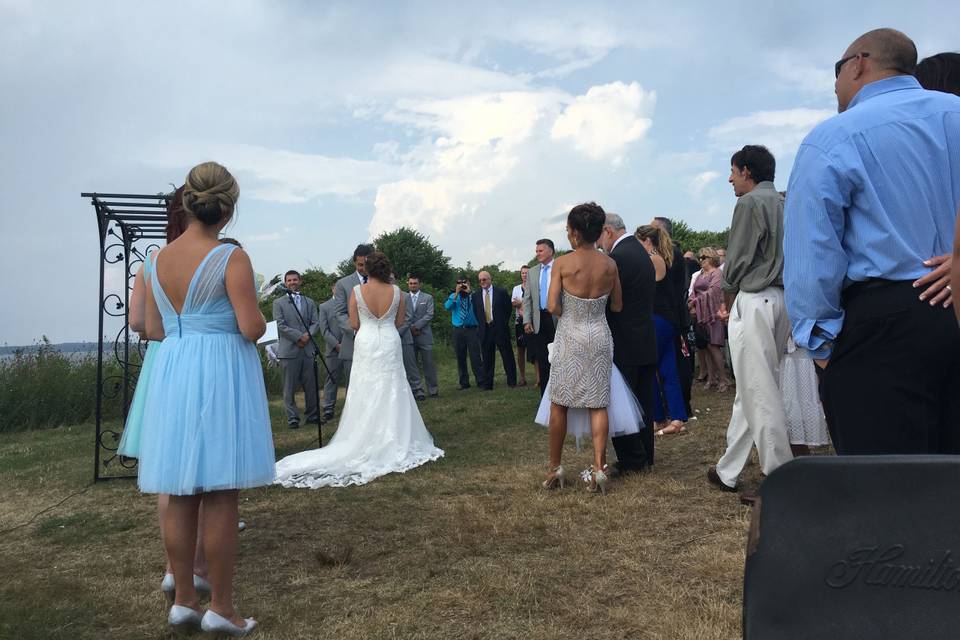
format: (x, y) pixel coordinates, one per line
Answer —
(758, 323)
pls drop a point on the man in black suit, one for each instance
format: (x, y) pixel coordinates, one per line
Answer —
(634, 338)
(493, 309)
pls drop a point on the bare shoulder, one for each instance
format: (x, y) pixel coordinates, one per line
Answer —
(239, 256)
(566, 262)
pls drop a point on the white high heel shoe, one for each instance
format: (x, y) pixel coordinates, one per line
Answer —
(213, 622)
(183, 619)
(555, 478)
(169, 587)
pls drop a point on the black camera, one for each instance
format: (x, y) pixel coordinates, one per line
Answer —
(462, 286)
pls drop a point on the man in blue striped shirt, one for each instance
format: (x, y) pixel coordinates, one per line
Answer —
(873, 194)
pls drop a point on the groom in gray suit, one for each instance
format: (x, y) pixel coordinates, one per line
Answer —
(295, 348)
(341, 294)
(332, 335)
(417, 339)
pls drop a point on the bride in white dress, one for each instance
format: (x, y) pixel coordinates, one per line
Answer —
(380, 429)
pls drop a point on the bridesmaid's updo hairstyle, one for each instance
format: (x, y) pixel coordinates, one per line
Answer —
(587, 220)
(210, 193)
(379, 267)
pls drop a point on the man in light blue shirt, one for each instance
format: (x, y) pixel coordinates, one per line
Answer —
(873, 194)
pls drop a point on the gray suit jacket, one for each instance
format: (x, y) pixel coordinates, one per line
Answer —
(421, 317)
(341, 294)
(329, 327)
(531, 298)
(290, 328)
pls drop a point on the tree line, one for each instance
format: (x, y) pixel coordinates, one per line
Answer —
(411, 253)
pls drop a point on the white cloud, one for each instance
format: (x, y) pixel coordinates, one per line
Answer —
(603, 122)
(796, 73)
(475, 143)
(277, 175)
(481, 118)
(700, 182)
(781, 131)
(269, 237)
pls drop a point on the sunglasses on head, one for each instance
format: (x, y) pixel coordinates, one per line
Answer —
(842, 61)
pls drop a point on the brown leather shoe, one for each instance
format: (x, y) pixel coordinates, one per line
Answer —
(714, 478)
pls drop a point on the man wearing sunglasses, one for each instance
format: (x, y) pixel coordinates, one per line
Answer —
(874, 193)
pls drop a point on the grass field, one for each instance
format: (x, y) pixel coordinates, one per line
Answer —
(466, 547)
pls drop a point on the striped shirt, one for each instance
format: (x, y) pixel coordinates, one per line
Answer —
(873, 193)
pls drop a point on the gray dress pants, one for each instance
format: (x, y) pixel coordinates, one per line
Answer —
(298, 372)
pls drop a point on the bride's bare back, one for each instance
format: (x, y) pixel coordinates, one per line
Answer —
(378, 296)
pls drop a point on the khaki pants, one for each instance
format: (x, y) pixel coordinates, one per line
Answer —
(758, 329)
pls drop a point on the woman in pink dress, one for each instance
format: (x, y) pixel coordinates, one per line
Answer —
(704, 303)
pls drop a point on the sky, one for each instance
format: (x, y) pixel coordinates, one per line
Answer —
(480, 127)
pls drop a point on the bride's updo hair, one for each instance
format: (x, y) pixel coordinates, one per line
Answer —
(379, 267)
(587, 220)
(210, 193)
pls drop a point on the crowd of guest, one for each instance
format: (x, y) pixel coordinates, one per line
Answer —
(832, 299)
(731, 307)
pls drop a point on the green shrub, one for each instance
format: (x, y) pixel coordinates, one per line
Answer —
(48, 388)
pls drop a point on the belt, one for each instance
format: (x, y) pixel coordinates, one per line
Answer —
(866, 286)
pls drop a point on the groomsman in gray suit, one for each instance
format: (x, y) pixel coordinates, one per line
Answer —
(332, 334)
(295, 348)
(409, 358)
(341, 293)
(418, 340)
(539, 325)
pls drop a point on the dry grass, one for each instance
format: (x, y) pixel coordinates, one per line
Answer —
(467, 547)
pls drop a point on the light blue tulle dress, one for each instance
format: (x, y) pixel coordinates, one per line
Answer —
(206, 426)
(130, 440)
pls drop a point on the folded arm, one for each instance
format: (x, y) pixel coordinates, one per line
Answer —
(286, 326)
(423, 322)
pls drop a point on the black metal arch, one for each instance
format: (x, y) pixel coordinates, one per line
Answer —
(129, 226)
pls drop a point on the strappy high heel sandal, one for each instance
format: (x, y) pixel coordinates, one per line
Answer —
(555, 478)
(599, 479)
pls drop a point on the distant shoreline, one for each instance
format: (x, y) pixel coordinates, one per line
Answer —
(63, 347)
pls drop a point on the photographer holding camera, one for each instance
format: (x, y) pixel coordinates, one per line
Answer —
(465, 333)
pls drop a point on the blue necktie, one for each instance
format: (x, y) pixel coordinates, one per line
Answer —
(544, 274)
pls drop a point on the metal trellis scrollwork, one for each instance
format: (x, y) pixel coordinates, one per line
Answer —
(130, 226)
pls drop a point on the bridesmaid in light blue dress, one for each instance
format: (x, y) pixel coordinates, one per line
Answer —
(130, 440)
(206, 427)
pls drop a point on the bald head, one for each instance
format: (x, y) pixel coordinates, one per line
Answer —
(874, 56)
(889, 49)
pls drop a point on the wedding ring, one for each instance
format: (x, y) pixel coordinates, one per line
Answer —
(949, 288)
